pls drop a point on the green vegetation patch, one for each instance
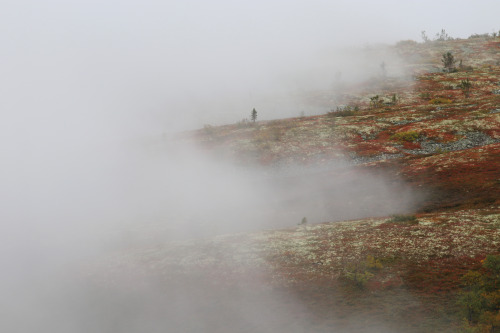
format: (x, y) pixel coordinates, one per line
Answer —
(480, 298)
(403, 219)
(345, 111)
(359, 273)
(409, 136)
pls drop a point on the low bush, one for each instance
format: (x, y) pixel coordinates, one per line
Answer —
(373, 263)
(345, 111)
(359, 273)
(409, 136)
(443, 36)
(480, 298)
(376, 102)
(484, 36)
(403, 219)
(425, 96)
(394, 99)
(358, 277)
(466, 87)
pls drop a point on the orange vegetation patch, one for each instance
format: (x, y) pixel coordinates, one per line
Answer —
(461, 178)
(440, 275)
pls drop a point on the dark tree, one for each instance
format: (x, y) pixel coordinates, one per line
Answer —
(254, 115)
(448, 61)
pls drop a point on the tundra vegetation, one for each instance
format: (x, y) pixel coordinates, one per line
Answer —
(435, 267)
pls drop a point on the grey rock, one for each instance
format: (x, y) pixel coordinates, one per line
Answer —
(470, 140)
(355, 159)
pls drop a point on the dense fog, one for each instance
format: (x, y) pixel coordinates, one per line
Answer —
(86, 86)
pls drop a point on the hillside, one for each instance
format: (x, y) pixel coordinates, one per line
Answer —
(428, 131)
(432, 134)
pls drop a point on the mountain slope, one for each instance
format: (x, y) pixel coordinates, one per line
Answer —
(425, 131)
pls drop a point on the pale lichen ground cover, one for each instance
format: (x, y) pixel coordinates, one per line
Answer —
(320, 251)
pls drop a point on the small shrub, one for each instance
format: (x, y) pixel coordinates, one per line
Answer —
(345, 111)
(484, 36)
(472, 279)
(492, 263)
(358, 277)
(394, 99)
(480, 297)
(425, 38)
(409, 136)
(403, 219)
(440, 100)
(448, 61)
(472, 305)
(443, 36)
(359, 273)
(466, 87)
(304, 221)
(376, 102)
(425, 96)
(489, 321)
(373, 263)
